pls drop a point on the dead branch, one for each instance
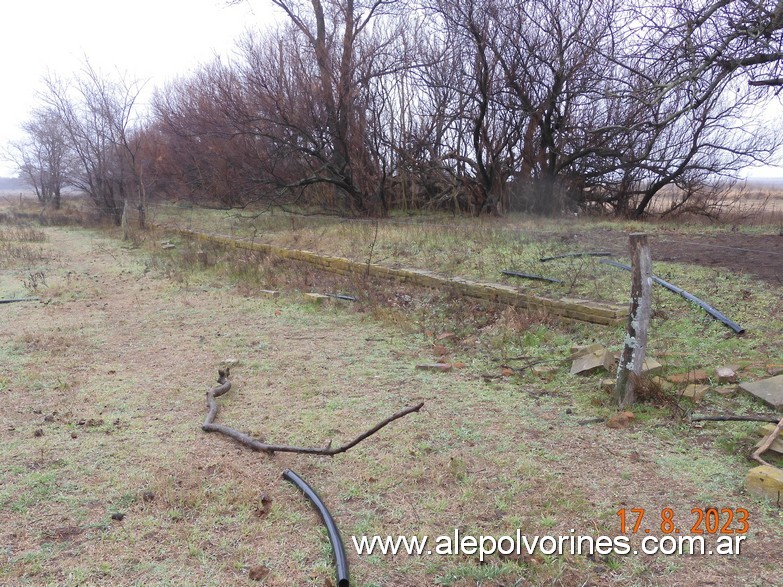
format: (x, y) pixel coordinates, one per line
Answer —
(775, 82)
(529, 276)
(590, 421)
(733, 418)
(527, 365)
(257, 445)
(223, 386)
(766, 443)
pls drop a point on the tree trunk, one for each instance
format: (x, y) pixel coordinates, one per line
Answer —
(124, 221)
(142, 205)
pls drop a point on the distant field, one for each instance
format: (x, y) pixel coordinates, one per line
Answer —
(26, 192)
(757, 201)
(753, 202)
(11, 194)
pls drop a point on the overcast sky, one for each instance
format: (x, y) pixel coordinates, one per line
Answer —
(153, 40)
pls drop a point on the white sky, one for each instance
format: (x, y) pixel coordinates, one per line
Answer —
(153, 40)
(146, 39)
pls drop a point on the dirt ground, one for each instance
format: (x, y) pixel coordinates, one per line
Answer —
(760, 255)
(102, 392)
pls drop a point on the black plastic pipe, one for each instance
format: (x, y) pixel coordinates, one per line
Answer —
(690, 297)
(340, 560)
(12, 300)
(342, 297)
(569, 255)
(529, 276)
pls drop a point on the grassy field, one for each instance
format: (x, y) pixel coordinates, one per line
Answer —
(103, 385)
(473, 248)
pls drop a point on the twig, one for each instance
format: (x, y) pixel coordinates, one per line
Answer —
(766, 443)
(529, 276)
(527, 365)
(257, 445)
(590, 421)
(733, 418)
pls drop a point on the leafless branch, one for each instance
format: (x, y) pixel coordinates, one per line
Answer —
(224, 385)
(766, 443)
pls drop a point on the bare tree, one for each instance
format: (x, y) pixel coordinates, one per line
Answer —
(329, 56)
(199, 155)
(42, 158)
(464, 137)
(97, 116)
(555, 58)
(745, 35)
(685, 112)
(478, 105)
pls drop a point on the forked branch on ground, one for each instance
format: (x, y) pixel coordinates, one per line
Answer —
(224, 385)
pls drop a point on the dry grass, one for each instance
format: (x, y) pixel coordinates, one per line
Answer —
(751, 204)
(112, 369)
(482, 248)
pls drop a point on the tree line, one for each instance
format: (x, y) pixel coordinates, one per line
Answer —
(478, 106)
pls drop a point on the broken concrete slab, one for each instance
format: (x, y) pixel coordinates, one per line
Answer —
(767, 429)
(765, 481)
(727, 389)
(580, 350)
(726, 375)
(769, 391)
(696, 376)
(600, 360)
(434, 367)
(316, 298)
(777, 444)
(695, 392)
(664, 384)
(651, 367)
(544, 371)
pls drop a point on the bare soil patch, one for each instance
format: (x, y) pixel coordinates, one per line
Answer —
(760, 255)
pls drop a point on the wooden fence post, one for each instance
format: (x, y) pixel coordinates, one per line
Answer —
(632, 359)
